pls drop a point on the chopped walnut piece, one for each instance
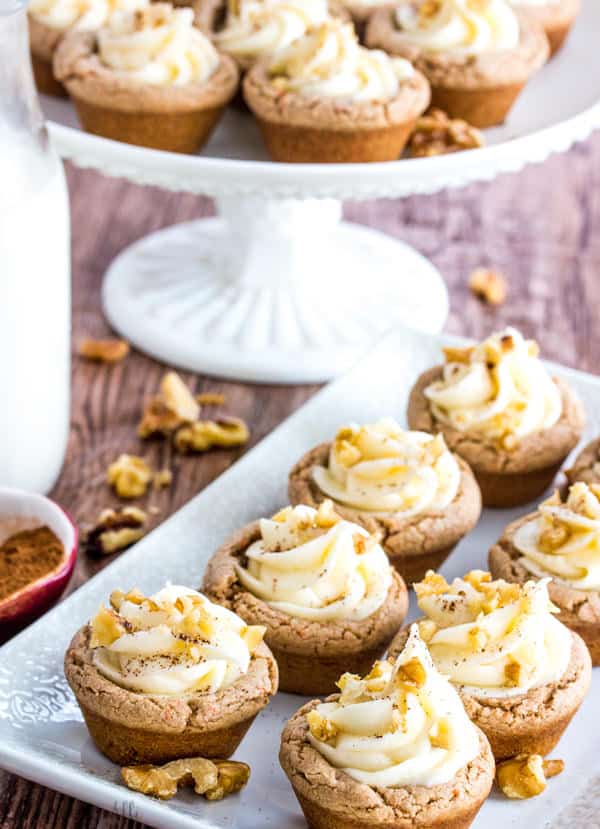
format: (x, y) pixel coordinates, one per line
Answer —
(525, 775)
(321, 728)
(488, 285)
(457, 355)
(213, 780)
(439, 737)
(163, 478)
(414, 672)
(104, 351)
(513, 672)
(437, 134)
(106, 627)
(210, 398)
(204, 434)
(129, 476)
(171, 408)
(115, 530)
(553, 537)
(427, 629)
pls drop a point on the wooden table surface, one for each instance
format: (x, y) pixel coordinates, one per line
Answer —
(541, 228)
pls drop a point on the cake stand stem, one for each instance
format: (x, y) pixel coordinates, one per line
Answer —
(275, 290)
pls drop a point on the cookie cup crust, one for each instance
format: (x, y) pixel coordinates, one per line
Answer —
(130, 727)
(299, 128)
(413, 545)
(123, 109)
(506, 479)
(479, 88)
(579, 609)
(311, 655)
(582, 468)
(331, 799)
(43, 42)
(530, 723)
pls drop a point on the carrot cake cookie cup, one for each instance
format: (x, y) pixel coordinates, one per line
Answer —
(500, 410)
(327, 99)
(555, 16)
(404, 487)
(586, 466)
(126, 85)
(560, 541)
(392, 749)
(168, 676)
(520, 673)
(477, 54)
(321, 586)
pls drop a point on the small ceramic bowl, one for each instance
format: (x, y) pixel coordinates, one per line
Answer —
(19, 511)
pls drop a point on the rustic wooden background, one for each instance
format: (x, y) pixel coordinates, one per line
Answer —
(537, 227)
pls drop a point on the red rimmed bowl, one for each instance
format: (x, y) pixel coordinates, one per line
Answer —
(21, 510)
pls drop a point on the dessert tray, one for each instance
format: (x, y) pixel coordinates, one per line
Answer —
(278, 288)
(43, 737)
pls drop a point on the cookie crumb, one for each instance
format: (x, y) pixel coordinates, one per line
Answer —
(103, 351)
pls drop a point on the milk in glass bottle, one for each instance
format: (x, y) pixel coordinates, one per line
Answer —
(35, 302)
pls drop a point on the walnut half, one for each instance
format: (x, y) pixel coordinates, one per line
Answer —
(115, 530)
(129, 476)
(213, 780)
(204, 434)
(437, 134)
(104, 351)
(525, 775)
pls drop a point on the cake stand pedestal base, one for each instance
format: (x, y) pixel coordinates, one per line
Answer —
(272, 290)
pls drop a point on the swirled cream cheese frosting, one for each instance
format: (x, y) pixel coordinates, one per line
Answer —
(464, 26)
(256, 28)
(80, 15)
(401, 725)
(381, 467)
(312, 565)
(328, 62)
(563, 541)
(498, 389)
(157, 45)
(173, 642)
(492, 638)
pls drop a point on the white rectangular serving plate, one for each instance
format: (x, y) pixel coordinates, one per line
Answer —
(43, 737)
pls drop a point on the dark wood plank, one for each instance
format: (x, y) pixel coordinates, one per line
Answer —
(538, 227)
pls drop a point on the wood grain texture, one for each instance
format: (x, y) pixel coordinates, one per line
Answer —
(541, 228)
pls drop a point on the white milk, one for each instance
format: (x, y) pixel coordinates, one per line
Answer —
(35, 309)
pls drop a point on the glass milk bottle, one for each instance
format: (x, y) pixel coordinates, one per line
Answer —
(35, 301)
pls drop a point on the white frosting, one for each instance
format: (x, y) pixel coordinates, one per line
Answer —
(312, 565)
(536, 3)
(257, 28)
(563, 541)
(158, 45)
(402, 725)
(80, 15)
(328, 62)
(491, 638)
(499, 389)
(173, 642)
(381, 467)
(465, 26)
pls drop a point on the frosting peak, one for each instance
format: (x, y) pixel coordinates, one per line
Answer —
(173, 642)
(563, 540)
(157, 45)
(465, 26)
(381, 467)
(498, 389)
(80, 15)
(329, 62)
(310, 564)
(402, 724)
(493, 638)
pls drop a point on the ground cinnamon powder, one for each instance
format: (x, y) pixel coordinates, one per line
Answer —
(26, 556)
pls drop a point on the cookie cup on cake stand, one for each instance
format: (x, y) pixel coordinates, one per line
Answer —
(476, 69)
(560, 541)
(137, 710)
(319, 618)
(357, 471)
(556, 18)
(499, 409)
(338, 789)
(532, 703)
(314, 107)
(149, 106)
(43, 42)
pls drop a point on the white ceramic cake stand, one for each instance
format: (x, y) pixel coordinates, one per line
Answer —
(278, 288)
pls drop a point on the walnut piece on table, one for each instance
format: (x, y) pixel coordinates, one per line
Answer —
(129, 476)
(214, 780)
(437, 134)
(525, 775)
(103, 351)
(115, 530)
(204, 434)
(173, 406)
(488, 285)
(210, 398)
